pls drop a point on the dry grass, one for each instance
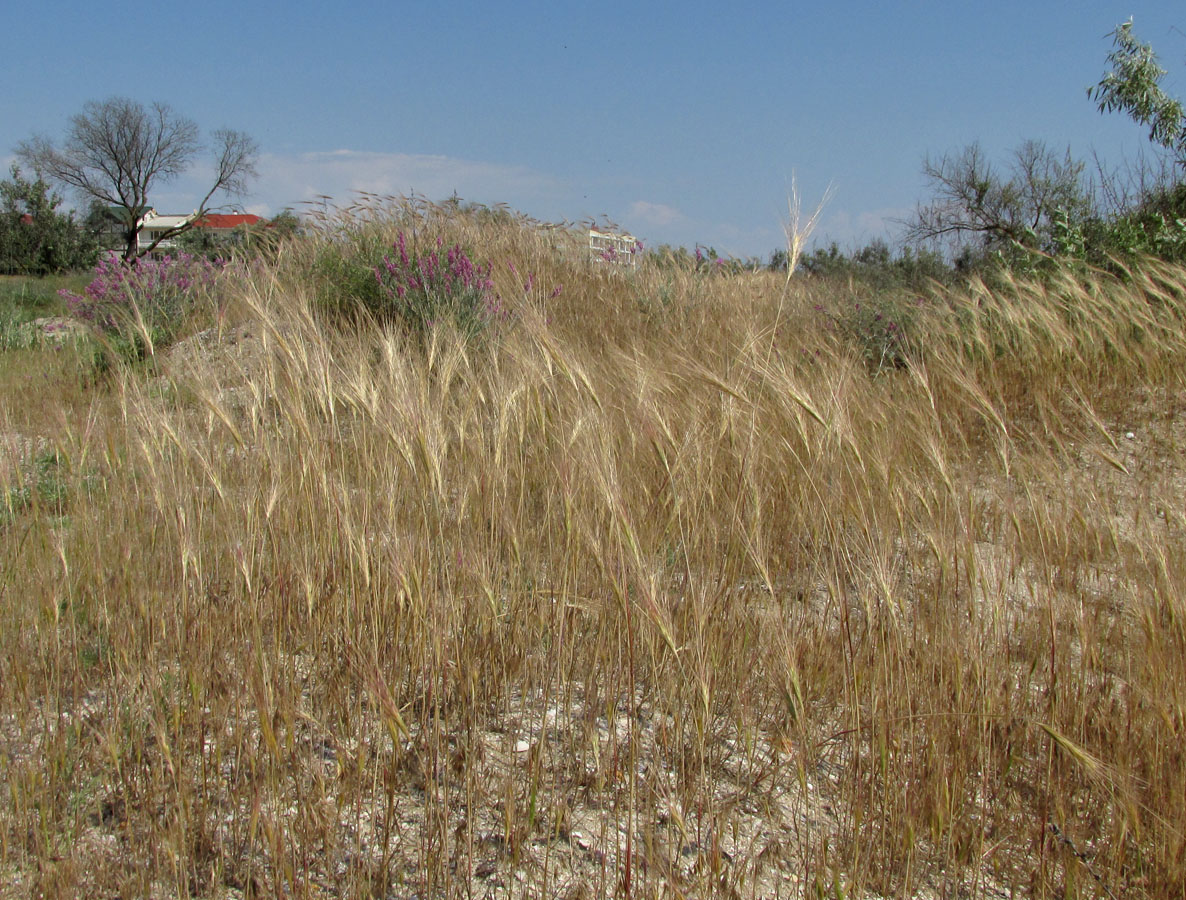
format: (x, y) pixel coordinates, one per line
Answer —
(659, 591)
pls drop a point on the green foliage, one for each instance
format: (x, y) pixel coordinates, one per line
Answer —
(209, 243)
(285, 224)
(418, 282)
(874, 265)
(666, 256)
(35, 239)
(27, 297)
(882, 325)
(1155, 226)
(1040, 211)
(344, 273)
(46, 485)
(261, 239)
(1133, 86)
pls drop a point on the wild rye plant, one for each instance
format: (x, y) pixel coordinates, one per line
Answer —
(694, 601)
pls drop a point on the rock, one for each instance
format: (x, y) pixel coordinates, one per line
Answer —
(59, 329)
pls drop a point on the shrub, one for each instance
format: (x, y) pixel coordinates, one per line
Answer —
(1156, 226)
(874, 265)
(422, 290)
(880, 325)
(36, 239)
(142, 303)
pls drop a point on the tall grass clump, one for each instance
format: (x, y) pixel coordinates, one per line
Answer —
(667, 591)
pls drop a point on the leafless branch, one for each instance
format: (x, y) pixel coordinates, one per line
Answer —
(117, 150)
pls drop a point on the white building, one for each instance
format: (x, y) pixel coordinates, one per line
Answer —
(155, 225)
(613, 247)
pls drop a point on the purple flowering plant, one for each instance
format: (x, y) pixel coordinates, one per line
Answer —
(882, 327)
(161, 292)
(424, 289)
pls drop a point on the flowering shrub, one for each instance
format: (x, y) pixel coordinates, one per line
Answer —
(881, 326)
(160, 291)
(423, 290)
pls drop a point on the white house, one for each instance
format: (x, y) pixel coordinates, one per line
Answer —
(154, 225)
(614, 247)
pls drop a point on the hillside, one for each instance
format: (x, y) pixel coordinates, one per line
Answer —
(657, 581)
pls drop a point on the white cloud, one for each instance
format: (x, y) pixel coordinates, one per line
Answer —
(852, 229)
(341, 174)
(293, 180)
(658, 214)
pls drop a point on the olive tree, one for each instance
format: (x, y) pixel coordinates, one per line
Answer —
(1154, 222)
(117, 150)
(1134, 86)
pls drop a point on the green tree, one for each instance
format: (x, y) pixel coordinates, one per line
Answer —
(877, 265)
(1133, 86)
(1155, 223)
(36, 239)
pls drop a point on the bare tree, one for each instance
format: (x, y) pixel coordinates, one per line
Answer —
(972, 200)
(117, 150)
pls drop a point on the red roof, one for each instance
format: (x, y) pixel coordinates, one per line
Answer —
(227, 220)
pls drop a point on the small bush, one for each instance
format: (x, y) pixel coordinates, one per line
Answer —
(46, 484)
(881, 326)
(422, 290)
(142, 304)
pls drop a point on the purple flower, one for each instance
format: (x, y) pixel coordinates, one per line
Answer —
(162, 290)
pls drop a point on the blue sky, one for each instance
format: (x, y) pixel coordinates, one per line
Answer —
(682, 122)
